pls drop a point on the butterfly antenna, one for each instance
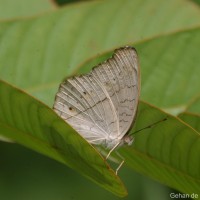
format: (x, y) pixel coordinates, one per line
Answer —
(149, 126)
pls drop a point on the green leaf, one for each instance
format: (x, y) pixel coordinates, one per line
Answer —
(167, 152)
(170, 70)
(45, 49)
(194, 106)
(192, 114)
(22, 8)
(34, 125)
(192, 119)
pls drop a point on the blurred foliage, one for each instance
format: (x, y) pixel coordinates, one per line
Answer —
(63, 2)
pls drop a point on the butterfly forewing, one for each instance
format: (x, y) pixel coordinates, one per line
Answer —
(103, 103)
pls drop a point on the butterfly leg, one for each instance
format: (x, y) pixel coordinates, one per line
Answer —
(116, 172)
(112, 150)
(122, 162)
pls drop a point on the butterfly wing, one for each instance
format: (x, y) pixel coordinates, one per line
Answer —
(104, 102)
(120, 76)
(84, 104)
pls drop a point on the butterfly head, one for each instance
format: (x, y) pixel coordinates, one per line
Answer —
(116, 143)
(127, 140)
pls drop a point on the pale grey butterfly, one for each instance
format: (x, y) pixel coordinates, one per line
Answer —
(102, 105)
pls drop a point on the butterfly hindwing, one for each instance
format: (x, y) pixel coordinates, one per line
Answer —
(102, 103)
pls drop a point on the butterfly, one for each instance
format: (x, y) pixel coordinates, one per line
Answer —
(102, 105)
